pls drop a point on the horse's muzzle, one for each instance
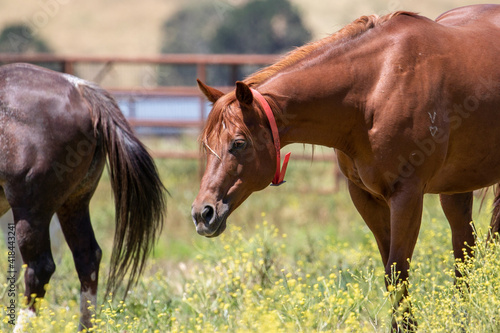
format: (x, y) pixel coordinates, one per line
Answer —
(207, 222)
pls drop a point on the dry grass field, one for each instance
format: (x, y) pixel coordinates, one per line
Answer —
(132, 27)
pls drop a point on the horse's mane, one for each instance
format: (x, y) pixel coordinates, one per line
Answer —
(223, 116)
(350, 31)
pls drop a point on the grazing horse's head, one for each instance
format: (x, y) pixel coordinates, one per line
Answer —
(241, 157)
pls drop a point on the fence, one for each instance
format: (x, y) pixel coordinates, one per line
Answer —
(145, 86)
(132, 78)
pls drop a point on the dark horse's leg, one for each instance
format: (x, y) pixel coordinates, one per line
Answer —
(32, 233)
(74, 219)
(495, 217)
(458, 211)
(75, 223)
(4, 204)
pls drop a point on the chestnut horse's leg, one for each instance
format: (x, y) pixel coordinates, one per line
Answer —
(377, 216)
(406, 216)
(75, 223)
(458, 211)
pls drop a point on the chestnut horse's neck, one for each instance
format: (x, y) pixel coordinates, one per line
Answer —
(321, 104)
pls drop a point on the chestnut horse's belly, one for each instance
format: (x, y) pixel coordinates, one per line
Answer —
(466, 173)
(450, 185)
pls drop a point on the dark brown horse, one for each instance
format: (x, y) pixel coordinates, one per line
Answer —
(411, 105)
(55, 133)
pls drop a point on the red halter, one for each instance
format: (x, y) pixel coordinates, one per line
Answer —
(279, 176)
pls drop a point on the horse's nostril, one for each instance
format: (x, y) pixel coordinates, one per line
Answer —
(208, 214)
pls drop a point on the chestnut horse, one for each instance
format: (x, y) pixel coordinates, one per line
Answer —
(55, 133)
(410, 104)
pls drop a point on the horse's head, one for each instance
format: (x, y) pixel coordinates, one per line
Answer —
(241, 157)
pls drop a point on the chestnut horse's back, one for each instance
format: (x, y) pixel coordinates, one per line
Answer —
(471, 14)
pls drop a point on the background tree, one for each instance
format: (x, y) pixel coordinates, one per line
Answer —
(19, 38)
(188, 31)
(256, 26)
(260, 26)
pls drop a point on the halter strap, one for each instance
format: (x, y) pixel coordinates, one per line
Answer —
(279, 176)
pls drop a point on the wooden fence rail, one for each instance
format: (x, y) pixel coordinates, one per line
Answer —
(69, 64)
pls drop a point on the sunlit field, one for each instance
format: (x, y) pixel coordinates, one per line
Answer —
(295, 258)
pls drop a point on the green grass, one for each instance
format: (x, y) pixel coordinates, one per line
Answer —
(296, 258)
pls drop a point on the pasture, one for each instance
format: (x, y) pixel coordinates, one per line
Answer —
(295, 258)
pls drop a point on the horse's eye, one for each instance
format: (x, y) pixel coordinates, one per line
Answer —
(238, 144)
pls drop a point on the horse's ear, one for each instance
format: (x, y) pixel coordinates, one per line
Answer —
(211, 93)
(243, 93)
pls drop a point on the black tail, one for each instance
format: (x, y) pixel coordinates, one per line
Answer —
(139, 193)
